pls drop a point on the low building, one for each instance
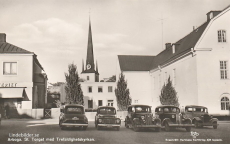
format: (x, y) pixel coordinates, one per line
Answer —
(23, 82)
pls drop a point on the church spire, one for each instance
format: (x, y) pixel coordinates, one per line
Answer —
(90, 56)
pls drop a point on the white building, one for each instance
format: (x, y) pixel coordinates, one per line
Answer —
(198, 65)
(22, 79)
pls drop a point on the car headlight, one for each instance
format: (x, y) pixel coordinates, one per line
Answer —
(118, 120)
(85, 119)
(142, 117)
(173, 116)
(100, 120)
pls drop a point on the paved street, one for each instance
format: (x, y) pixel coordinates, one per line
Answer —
(47, 131)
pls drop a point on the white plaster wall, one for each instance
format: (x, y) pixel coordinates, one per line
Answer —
(211, 87)
(91, 77)
(185, 81)
(95, 95)
(139, 85)
(24, 75)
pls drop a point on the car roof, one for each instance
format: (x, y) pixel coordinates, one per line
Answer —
(68, 105)
(106, 107)
(195, 106)
(162, 106)
(139, 105)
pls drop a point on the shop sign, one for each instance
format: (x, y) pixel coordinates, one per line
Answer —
(8, 84)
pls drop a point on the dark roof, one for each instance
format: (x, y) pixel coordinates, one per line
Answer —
(138, 105)
(9, 48)
(182, 46)
(69, 105)
(166, 106)
(90, 71)
(195, 106)
(106, 107)
(135, 62)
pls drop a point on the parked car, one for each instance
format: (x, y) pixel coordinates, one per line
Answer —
(73, 115)
(172, 118)
(140, 116)
(199, 116)
(106, 117)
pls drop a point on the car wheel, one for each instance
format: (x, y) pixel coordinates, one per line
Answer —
(84, 127)
(126, 124)
(215, 125)
(167, 128)
(158, 129)
(62, 127)
(197, 124)
(135, 128)
(188, 129)
(95, 125)
(117, 128)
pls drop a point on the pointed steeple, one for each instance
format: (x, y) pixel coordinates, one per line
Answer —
(96, 67)
(82, 65)
(90, 56)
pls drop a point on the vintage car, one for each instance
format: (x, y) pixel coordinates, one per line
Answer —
(199, 116)
(140, 116)
(172, 118)
(73, 115)
(106, 118)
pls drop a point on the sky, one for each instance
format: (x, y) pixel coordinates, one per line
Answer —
(57, 30)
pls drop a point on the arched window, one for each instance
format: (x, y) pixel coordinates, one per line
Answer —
(224, 103)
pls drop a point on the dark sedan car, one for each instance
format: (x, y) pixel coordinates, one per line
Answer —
(106, 118)
(199, 116)
(73, 115)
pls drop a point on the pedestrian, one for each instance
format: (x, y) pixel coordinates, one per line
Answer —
(7, 109)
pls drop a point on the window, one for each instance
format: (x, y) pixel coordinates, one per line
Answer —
(100, 90)
(223, 69)
(110, 102)
(87, 77)
(174, 77)
(10, 68)
(100, 103)
(110, 89)
(224, 103)
(221, 36)
(90, 89)
(90, 103)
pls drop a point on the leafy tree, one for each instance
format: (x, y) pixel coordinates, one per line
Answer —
(74, 94)
(122, 93)
(168, 94)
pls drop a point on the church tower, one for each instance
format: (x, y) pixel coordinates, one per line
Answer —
(90, 73)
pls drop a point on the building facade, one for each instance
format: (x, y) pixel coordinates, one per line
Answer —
(197, 64)
(22, 80)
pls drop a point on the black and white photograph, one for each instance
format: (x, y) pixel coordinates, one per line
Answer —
(114, 71)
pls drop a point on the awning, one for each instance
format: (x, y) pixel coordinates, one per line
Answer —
(14, 93)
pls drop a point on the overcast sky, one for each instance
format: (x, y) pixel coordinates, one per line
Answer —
(57, 30)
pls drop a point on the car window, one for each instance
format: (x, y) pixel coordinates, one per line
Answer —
(107, 111)
(141, 109)
(171, 109)
(74, 110)
(188, 109)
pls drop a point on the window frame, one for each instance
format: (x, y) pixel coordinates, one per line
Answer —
(90, 104)
(224, 104)
(110, 90)
(89, 89)
(10, 74)
(101, 89)
(221, 36)
(224, 69)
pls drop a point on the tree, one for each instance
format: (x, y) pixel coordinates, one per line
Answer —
(122, 93)
(74, 94)
(168, 94)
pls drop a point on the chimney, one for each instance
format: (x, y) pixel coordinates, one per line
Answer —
(212, 14)
(167, 46)
(2, 37)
